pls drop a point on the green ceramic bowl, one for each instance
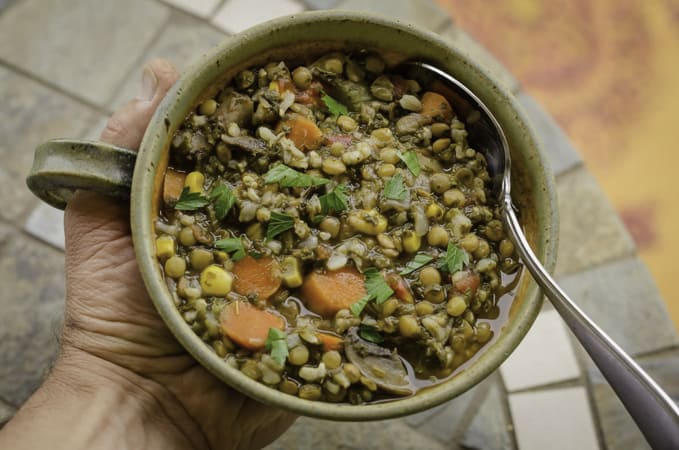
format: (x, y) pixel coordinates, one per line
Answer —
(62, 166)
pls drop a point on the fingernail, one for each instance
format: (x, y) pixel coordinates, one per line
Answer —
(148, 84)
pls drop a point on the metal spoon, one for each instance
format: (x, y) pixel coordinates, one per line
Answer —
(651, 408)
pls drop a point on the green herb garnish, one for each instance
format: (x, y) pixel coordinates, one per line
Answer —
(335, 200)
(411, 161)
(277, 344)
(335, 107)
(377, 289)
(287, 177)
(278, 223)
(317, 219)
(370, 334)
(454, 259)
(232, 245)
(395, 188)
(420, 260)
(190, 201)
(357, 307)
(223, 199)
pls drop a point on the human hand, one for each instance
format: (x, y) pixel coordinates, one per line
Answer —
(113, 335)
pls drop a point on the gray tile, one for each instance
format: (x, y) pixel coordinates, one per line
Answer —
(47, 224)
(4, 4)
(93, 132)
(421, 13)
(237, 15)
(32, 276)
(5, 232)
(320, 4)
(417, 419)
(561, 153)
(448, 423)
(557, 419)
(466, 44)
(621, 297)
(183, 40)
(6, 413)
(29, 115)
(83, 46)
(545, 356)
(491, 428)
(591, 232)
(313, 434)
(618, 429)
(202, 8)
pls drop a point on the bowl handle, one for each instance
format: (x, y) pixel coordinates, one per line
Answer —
(62, 166)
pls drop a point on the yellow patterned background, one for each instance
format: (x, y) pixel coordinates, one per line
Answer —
(608, 71)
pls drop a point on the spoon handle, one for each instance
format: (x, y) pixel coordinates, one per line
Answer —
(654, 412)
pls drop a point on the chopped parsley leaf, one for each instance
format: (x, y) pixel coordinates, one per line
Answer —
(287, 177)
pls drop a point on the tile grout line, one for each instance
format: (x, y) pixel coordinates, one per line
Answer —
(587, 384)
(465, 421)
(625, 256)
(40, 241)
(7, 402)
(205, 20)
(573, 382)
(58, 89)
(504, 393)
(139, 62)
(9, 6)
(593, 408)
(656, 352)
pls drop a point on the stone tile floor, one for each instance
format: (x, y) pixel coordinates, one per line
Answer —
(54, 83)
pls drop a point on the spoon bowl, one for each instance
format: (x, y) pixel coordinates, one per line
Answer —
(654, 412)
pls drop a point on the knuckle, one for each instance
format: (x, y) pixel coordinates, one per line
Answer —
(115, 130)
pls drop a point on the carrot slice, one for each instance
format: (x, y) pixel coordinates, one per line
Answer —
(466, 281)
(400, 287)
(344, 139)
(248, 326)
(303, 132)
(258, 277)
(173, 185)
(327, 292)
(330, 342)
(285, 85)
(436, 107)
(310, 96)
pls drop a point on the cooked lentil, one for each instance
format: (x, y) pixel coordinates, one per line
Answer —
(302, 212)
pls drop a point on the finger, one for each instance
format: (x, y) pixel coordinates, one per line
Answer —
(127, 125)
(92, 219)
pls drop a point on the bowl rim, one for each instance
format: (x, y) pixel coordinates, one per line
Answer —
(182, 97)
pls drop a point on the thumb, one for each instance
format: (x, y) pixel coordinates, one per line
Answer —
(92, 220)
(127, 125)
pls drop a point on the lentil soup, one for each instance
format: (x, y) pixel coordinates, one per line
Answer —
(327, 229)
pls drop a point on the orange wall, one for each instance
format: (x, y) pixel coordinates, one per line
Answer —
(608, 71)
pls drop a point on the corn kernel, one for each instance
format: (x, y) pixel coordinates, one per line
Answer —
(194, 181)
(382, 135)
(221, 256)
(165, 247)
(368, 222)
(411, 241)
(215, 281)
(434, 211)
(408, 326)
(291, 274)
(208, 107)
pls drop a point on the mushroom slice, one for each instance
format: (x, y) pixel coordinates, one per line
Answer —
(247, 143)
(236, 108)
(378, 364)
